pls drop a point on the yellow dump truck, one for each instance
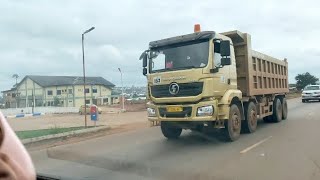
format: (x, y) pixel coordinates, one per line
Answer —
(213, 80)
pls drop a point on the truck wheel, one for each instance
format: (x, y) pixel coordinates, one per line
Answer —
(277, 111)
(249, 125)
(169, 131)
(284, 109)
(303, 100)
(232, 129)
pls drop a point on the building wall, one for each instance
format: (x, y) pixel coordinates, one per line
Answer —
(76, 99)
(27, 86)
(27, 91)
(9, 100)
(93, 97)
(31, 92)
(65, 97)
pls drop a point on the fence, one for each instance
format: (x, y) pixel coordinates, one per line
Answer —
(47, 110)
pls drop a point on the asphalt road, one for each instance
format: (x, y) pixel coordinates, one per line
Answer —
(286, 150)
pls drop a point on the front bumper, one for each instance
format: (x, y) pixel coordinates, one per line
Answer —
(314, 97)
(189, 112)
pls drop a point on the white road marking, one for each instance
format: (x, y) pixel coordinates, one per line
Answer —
(255, 145)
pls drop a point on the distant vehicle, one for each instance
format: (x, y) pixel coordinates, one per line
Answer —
(311, 92)
(137, 97)
(81, 109)
(211, 80)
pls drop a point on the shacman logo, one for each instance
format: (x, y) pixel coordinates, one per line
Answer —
(174, 88)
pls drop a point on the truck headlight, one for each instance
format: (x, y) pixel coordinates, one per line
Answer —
(205, 111)
(151, 112)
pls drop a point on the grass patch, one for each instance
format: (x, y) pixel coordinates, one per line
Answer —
(293, 95)
(44, 132)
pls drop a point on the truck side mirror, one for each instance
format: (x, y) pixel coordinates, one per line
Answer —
(144, 71)
(145, 61)
(225, 61)
(225, 48)
(143, 54)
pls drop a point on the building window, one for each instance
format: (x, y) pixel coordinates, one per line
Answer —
(94, 90)
(58, 92)
(88, 101)
(87, 90)
(50, 93)
(69, 91)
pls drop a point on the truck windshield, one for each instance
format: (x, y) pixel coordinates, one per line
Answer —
(180, 56)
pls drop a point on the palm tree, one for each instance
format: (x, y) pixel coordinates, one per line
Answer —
(16, 76)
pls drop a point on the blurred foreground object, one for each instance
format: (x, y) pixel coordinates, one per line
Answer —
(15, 162)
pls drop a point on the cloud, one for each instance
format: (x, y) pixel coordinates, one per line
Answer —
(44, 37)
(109, 50)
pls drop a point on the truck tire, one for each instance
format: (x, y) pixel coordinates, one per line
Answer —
(169, 131)
(232, 129)
(303, 101)
(284, 109)
(249, 125)
(277, 111)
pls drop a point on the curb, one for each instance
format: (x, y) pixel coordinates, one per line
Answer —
(24, 115)
(62, 135)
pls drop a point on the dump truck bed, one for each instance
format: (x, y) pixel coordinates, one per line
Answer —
(257, 73)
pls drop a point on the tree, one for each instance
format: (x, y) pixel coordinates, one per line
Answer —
(56, 101)
(305, 79)
(16, 76)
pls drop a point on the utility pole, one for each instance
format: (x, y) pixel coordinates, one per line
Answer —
(33, 100)
(122, 90)
(84, 76)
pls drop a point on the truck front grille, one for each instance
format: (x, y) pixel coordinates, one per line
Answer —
(185, 89)
(185, 113)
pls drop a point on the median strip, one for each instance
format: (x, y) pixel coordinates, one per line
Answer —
(44, 132)
(56, 133)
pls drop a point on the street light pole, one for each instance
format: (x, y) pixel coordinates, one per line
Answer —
(84, 77)
(122, 89)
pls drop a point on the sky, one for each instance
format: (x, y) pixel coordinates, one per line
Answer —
(43, 37)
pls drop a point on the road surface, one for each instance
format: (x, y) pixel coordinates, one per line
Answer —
(286, 150)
